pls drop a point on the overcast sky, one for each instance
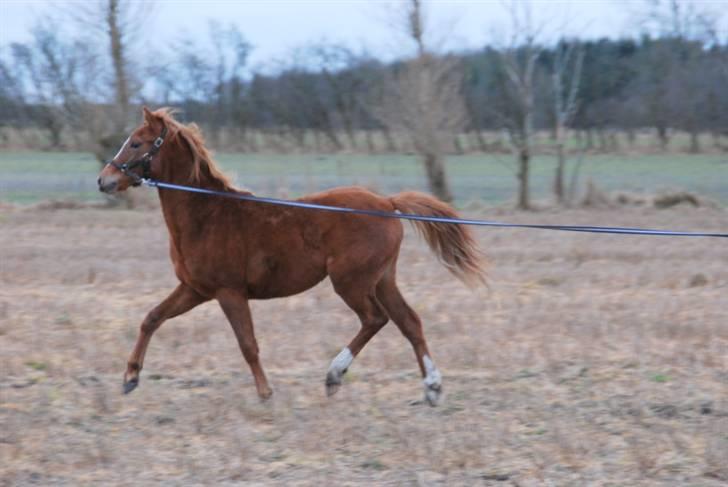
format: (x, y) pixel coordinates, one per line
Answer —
(275, 27)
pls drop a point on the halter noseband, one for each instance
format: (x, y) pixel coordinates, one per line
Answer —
(145, 161)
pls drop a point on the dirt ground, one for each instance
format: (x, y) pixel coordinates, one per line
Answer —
(591, 360)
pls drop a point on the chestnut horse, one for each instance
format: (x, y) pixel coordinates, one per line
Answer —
(233, 251)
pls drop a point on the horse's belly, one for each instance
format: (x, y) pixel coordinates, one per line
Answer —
(265, 268)
(278, 274)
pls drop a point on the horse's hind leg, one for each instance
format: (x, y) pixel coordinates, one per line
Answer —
(182, 299)
(411, 327)
(358, 293)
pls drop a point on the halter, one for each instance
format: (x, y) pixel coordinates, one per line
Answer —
(145, 161)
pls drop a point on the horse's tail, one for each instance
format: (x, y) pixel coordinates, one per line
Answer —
(453, 244)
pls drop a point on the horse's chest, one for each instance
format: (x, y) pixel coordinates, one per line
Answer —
(209, 265)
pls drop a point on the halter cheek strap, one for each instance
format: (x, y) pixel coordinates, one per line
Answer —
(145, 162)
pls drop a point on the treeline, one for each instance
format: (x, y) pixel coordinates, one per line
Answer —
(332, 94)
(665, 85)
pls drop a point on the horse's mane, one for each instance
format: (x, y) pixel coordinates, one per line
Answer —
(202, 160)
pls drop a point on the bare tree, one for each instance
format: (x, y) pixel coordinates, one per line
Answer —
(231, 51)
(680, 19)
(53, 76)
(345, 84)
(565, 78)
(423, 99)
(518, 63)
(119, 23)
(675, 23)
(117, 46)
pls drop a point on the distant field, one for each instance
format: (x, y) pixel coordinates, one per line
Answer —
(28, 177)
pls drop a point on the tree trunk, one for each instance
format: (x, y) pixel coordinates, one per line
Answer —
(631, 137)
(694, 142)
(603, 144)
(715, 135)
(317, 142)
(350, 133)
(54, 131)
(524, 160)
(559, 175)
(117, 58)
(436, 177)
(330, 134)
(662, 136)
(482, 144)
(251, 137)
(371, 148)
(590, 139)
(391, 146)
(613, 141)
(457, 145)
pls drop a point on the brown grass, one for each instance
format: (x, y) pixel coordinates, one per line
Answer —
(591, 360)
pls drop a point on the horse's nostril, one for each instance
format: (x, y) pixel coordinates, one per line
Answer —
(108, 187)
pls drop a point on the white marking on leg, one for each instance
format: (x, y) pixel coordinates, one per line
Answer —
(432, 375)
(336, 370)
(340, 363)
(432, 381)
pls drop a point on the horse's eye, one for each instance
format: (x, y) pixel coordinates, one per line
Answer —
(135, 145)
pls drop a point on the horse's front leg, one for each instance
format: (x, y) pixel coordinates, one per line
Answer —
(235, 306)
(182, 299)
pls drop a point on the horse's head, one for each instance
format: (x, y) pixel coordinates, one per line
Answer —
(138, 157)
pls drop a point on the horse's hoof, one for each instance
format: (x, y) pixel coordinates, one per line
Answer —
(433, 394)
(332, 389)
(333, 383)
(265, 396)
(130, 385)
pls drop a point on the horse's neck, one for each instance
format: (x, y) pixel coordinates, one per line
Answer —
(184, 211)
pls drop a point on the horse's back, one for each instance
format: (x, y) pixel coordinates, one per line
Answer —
(350, 197)
(359, 240)
(354, 197)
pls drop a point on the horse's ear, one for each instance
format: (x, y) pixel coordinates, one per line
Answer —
(149, 116)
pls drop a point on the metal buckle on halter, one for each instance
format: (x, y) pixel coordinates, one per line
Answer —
(158, 142)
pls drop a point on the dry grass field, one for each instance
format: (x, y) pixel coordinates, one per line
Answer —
(591, 360)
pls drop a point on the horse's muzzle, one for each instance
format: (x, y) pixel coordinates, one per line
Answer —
(107, 186)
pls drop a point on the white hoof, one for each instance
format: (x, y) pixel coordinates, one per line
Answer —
(337, 369)
(333, 383)
(433, 395)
